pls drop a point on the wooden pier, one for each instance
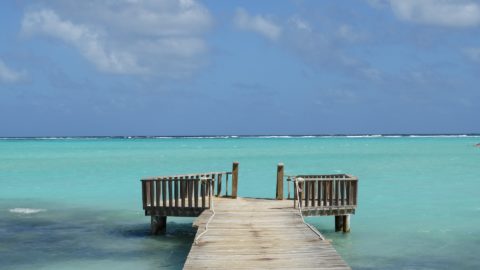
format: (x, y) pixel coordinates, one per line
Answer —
(259, 234)
(245, 233)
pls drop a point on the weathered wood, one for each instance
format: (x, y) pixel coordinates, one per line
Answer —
(279, 191)
(158, 224)
(202, 193)
(234, 179)
(219, 186)
(195, 191)
(190, 193)
(144, 194)
(157, 193)
(338, 223)
(259, 234)
(170, 192)
(164, 193)
(346, 223)
(182, 191)
(175, 180)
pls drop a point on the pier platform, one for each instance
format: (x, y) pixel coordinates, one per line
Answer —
(254, 233)
(248, 233)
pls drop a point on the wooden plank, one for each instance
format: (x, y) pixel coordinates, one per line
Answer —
(195, 188)
(152, 193)
(202, 193)
(175, 180)
(259, 234)
(190, 191)
(157, 193)
(219, 185)
(306, 191)
(182, 191)
(319, 193)
(164, 192)
(144, 195)
(279, 191)
(170, 193)
(234, 179)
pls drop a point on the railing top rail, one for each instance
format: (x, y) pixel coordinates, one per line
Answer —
(197, 175)
(320, 177)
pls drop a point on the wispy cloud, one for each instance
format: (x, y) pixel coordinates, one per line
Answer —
(127, 37)
(257, 23)
(449, 13)
(8, 75)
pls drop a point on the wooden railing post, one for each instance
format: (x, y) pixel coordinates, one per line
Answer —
(279, 193)
(234, 179)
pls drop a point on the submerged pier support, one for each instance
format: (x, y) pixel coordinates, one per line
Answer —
(342, 223)
(158, 225)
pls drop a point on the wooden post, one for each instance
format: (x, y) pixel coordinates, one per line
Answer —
(234, 179)
(158, 224)
(280, 169)
(338, 223)
(346, 223)
(219, 185)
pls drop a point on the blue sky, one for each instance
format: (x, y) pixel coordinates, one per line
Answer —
(239, 67)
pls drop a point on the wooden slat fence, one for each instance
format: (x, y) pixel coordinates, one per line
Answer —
(181, 195)
(325, 194)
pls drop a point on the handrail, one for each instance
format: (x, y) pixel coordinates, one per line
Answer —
(324, 191)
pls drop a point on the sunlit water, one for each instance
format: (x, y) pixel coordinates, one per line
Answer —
(76, 203)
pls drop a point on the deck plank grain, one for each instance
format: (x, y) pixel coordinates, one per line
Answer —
(259, 234)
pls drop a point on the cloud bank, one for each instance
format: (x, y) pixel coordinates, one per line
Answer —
(257, 23)
(447, 13)
(148, 37)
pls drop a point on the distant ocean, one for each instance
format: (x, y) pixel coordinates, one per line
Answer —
(72, 203)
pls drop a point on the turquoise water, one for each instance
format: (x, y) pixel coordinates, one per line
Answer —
(75, 203)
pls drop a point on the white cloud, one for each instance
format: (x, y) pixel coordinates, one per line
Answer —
(257, 23)
(89, 42)
(130, 36)
(300, 23)
(8, 75)
(452, 13)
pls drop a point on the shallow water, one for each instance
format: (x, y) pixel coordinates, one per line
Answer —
(419, 200)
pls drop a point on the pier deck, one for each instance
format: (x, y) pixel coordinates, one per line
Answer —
(259, 233)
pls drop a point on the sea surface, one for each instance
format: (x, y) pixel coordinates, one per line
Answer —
(75, 203)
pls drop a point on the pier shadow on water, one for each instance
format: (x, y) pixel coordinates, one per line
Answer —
(43, 238)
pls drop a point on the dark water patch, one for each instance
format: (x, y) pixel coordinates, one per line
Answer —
(57, 238)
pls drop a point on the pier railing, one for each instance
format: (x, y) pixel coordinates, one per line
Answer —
(334, 194)
(182, 195)
(317, 195)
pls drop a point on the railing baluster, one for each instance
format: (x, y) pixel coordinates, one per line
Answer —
(175, 184)
(190, 192)
(355, 191)
(319, 193)
(157, 193)
(152, 194)
(202, 192)
(164, 193)
(170, 193)
(182, 190)
(307, 192)
(330, 191)
(195, 188)
(226, 184)
(144, 197)
(219, 184)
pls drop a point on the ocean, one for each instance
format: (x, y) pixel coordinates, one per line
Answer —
(72, 203)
